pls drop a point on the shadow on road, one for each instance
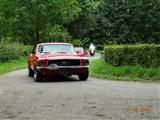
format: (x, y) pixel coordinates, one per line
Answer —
(60, 79)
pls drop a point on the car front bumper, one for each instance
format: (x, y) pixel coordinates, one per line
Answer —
(63, 70)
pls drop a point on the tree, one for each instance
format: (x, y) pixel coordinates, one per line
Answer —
(128, 21)
(80, 27)
(31, 17)
(6, 10)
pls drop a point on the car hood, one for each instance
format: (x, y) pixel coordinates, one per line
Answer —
(60, 56)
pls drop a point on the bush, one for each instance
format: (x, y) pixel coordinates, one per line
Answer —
(100, 47)
(10, 51)
(145, 55)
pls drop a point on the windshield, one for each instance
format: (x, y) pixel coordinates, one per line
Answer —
(56, 48)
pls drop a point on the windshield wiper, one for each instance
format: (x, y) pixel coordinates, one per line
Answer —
(46, 52)
(62, 52)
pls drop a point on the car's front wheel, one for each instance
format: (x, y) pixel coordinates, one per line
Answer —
(30, 72)
(84, 75)
(37, 76)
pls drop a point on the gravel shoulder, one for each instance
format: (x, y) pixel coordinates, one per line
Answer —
(71, 99)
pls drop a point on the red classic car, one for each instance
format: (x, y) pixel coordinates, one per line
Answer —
(56, 59)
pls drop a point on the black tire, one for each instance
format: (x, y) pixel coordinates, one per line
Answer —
(30, 72)
(84, 76)
(92, 54)
(37, 76)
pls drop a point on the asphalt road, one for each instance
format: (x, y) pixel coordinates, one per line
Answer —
(71, 99)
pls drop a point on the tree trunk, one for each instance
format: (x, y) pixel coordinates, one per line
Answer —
(37, 36)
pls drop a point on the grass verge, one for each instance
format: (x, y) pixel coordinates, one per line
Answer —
(13, 65)
(99, 68)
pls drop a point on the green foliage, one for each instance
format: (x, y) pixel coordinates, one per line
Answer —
(145, 55)
(102, 21)
(57, 34)
(26, 21)
(127, 21)
(79, 28)
(100, 47)
(80, 42)
(100, 68)
(10, 51)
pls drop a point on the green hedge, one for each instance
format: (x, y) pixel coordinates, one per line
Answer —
(147, 55)
(10, 51)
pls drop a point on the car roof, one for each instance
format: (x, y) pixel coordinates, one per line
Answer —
(53, 43)
(78, 47)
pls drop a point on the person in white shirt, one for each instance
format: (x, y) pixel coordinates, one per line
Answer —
(92, 47)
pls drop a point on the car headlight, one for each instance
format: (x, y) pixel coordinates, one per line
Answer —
(85, 62)
(42, 63)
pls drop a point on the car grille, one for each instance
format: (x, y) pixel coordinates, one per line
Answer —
(64, 62)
